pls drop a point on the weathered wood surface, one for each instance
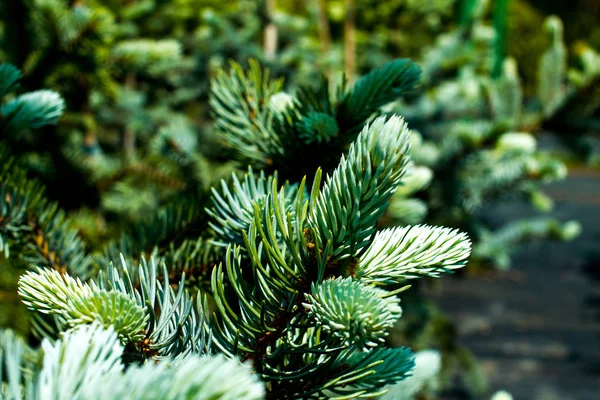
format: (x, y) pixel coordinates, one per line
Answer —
(536, 328)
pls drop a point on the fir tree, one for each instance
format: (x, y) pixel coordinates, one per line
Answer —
(125, 84)
(305, 294)
(33, 230)
(281, 267)
(296, 134)
(469, 154)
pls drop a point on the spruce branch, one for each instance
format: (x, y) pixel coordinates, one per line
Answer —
(25, 111)
(145, 312)
(552, 70)
(166, 225)
(77, 362)
(13, 353)
(376, 89)
(305, 291)
(177, 324)
(49, 292)
(367, 373)
(308, 130)
(354, 197)
(278, 251)
(358, 314)
(402, 253)
(37, 228)
(147, 54)
(9, 78)
(86, 363)
(497, 246)
(28, 222)
(278, 302)
(32, 110)
(240, 102)
(232, 211)
(114, 309)
(204, 378)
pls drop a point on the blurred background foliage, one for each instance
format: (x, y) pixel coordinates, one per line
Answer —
(136, 150)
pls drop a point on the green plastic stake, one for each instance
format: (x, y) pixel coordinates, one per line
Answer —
(499, 19)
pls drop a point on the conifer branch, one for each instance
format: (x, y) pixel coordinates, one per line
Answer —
(398, 254)
(278, 302)
(354, 197)
(145, 312)
(29, 222)
(307, 131)
(85, 363)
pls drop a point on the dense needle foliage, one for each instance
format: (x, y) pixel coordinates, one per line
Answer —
(202, 204)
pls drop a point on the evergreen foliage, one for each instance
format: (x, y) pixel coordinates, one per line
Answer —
(28, 110)
(294, 135)
(295, 246)
(553, 67)
(33, 228)
(126, 129)
(85, 363)
(473, 138)
(162, 256)
(299, 290)
(471, 123)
